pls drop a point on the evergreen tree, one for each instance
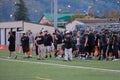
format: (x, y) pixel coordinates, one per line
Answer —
(21, 11)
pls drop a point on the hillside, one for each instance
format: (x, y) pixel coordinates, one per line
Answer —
(37, 7)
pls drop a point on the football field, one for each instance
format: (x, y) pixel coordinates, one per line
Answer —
(56, 69)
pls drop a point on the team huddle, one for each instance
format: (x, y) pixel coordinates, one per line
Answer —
(68, 44)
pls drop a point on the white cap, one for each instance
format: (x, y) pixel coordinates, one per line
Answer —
(43, 30)
(67, 32)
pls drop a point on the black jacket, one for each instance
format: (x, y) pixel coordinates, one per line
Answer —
(47, 40)
(68, 42)
(25, 41)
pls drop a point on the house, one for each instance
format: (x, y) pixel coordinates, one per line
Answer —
(84, 23)
(63, 19)
(19, 27)
(75, 25)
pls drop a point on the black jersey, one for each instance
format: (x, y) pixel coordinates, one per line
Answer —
(91, 39)
(59, 36)
(48, 40)
(68, 42)
(25, 40)
(39, 39)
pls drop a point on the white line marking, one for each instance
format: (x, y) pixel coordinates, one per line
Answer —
(61, 65)
(42, 78)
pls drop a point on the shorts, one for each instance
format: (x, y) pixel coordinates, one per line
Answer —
(90, 48)
(52, 47)
(59, 46)
(110, 48)
(74, 48)
(31, 45)
(119, 47)
(82, 48)
(25, 49)
(48, 49)
(11, 48)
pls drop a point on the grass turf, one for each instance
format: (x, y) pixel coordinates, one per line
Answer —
(10, 70)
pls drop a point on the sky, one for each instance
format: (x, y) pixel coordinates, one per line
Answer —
(36, 8)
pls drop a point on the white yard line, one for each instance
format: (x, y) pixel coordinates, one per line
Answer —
(61, 65)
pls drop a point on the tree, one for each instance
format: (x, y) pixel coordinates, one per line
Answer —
(76, 16)
(104, 15)
(113, 14)
(91, 14)
(21, 11)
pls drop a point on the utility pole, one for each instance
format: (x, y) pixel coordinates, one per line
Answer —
(55, 14)
(51, 9)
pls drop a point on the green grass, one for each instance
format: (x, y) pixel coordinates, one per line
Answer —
(13, 70)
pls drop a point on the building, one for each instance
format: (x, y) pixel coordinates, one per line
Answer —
(75, 25)
(92, 22)
(63, 19)
(19, 27)
(97, 21)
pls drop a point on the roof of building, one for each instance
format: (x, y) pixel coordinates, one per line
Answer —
(61, 17)
(97, 20)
